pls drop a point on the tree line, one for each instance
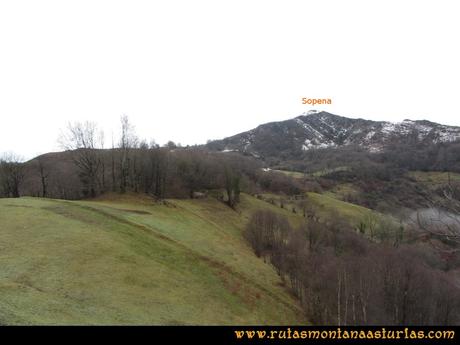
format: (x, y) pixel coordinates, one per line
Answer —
(342, 278)
(87, 169)
(11, 175)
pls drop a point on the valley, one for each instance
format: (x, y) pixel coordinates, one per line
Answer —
(255, 229)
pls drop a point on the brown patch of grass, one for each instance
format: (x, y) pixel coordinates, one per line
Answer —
(134, 211)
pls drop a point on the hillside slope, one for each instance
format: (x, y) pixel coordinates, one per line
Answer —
(129, 261)
(324, 130)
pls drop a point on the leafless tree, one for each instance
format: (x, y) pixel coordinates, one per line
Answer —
(441, 222)
(128, 141)
(44, 174)
(83, 139)
(232, 186)
(449, 220)
(11, 175)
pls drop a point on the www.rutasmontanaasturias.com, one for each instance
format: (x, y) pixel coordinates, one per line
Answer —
(339, 333)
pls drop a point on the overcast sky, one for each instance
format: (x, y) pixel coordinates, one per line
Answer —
(189, 71)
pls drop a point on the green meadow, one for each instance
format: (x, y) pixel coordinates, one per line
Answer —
(128, 260)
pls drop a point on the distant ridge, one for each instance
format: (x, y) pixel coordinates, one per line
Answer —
(316, 130)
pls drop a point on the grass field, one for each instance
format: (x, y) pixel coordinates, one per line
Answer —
(126, 260)
(319, 173)
(434, 178)
(342, 191)
(327, 204)
(295, 174)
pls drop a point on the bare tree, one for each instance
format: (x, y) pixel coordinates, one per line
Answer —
(232, 186)
(371, 222)
(11, 175)
(83, 139)
(112, 165)
(101, 139)
(43, 176)
(442, 220)
(128, 141)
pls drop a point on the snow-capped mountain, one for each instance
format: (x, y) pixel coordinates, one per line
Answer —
(316, 130)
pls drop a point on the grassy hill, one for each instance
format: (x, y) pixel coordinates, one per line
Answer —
(435, 178)
(326, 205)
(126, 260)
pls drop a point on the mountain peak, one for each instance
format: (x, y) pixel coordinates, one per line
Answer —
(314, 113)
(311, 112)
(319, 129)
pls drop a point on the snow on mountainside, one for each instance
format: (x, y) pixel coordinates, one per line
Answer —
(316, 130)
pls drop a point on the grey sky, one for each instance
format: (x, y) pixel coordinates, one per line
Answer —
(196, 70)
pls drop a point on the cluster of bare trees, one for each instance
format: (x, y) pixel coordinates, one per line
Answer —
(83, 139)
(342, 278)
(11, 175)
(130, 165)
(444, 221)
(85, 142)
(86, 169)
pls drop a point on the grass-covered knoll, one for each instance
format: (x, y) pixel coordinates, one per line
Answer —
(130, 261)
(370, 223)
(318, 173)
(327, 204)
(435, 178)
(324, 204)
(295, 174)
(342, 191)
